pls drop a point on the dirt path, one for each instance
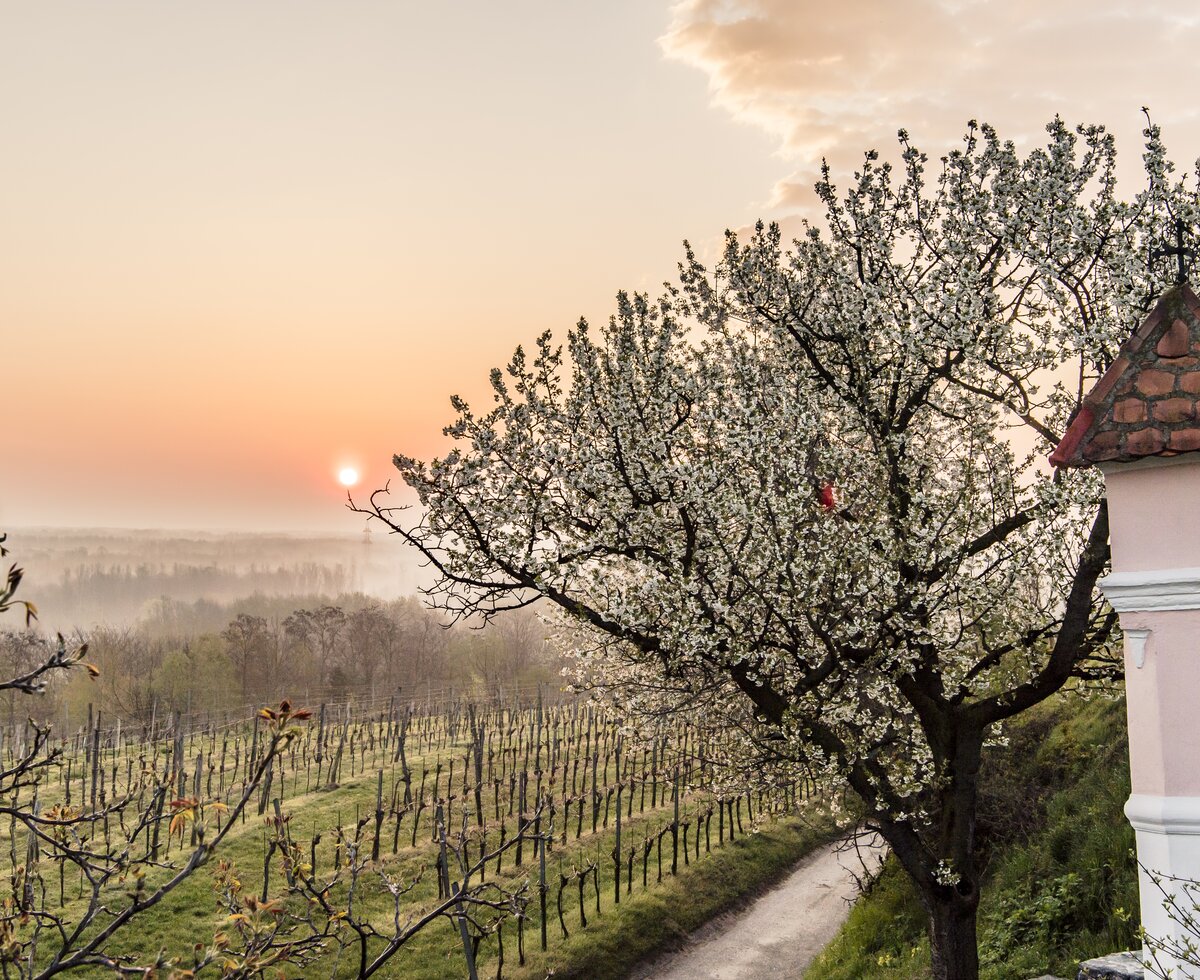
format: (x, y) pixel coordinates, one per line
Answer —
(781, 933)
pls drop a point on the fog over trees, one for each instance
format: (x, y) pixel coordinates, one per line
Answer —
(218, 624)
(84, 576)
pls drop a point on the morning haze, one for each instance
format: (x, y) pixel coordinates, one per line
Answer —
(88, 577)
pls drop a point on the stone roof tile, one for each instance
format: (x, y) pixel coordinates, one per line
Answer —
(1146, 403)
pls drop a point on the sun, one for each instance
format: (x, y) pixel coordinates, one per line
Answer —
(347, 476)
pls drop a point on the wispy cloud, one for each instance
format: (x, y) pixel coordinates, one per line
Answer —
(830, 80)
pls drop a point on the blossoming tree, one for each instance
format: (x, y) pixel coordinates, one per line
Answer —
(809, 484)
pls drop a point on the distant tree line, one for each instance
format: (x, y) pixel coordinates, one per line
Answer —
(212, 657)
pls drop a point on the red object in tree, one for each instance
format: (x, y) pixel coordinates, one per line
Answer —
(826, 497)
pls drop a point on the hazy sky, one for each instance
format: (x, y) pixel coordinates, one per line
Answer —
(244, 244)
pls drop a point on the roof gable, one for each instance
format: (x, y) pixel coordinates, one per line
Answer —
(1145, 404)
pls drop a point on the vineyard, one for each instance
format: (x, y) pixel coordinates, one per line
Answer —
(439, 837)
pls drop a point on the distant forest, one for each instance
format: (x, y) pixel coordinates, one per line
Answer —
(211, 626)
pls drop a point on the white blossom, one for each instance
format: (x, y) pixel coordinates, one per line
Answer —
(805, 491)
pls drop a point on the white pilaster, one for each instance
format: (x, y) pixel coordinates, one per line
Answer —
(1154, 605)
(1167, 829)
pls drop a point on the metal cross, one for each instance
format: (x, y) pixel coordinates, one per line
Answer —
(1179, 251)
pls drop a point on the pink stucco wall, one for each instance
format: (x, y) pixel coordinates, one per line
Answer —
(1154, 514)
(1161, 697)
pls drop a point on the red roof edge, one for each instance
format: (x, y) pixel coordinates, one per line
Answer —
(1074, 435)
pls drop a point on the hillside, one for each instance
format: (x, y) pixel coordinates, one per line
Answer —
(1061, 884)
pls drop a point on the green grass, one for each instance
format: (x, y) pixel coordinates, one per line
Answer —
(659, 919)
(1061, 883)
(884, 935)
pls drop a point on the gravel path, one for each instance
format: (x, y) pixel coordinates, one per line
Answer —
(781, 933)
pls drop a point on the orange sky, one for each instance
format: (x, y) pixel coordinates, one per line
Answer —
(245, 243)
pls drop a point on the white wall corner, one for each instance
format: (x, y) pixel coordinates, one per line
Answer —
(1167, 829)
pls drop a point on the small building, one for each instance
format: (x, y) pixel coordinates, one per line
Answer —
(1141, 425)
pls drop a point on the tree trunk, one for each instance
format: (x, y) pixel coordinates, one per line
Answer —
(951, 908)
(952, 939)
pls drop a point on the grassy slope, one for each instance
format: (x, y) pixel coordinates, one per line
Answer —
(1061, 882)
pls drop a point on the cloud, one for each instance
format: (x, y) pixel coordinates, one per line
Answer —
(834, 79)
